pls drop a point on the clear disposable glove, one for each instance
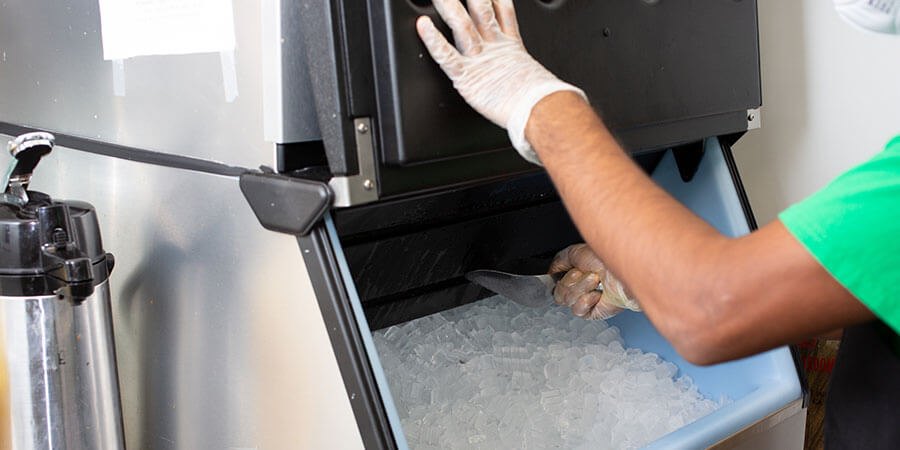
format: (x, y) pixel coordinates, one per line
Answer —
(881, 16)
(578, 288)
(489, 65)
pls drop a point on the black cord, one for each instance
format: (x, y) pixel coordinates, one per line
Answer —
(132, 154)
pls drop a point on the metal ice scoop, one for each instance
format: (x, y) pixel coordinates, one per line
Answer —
(532, 291)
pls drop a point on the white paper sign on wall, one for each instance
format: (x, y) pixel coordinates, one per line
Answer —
(165, 27)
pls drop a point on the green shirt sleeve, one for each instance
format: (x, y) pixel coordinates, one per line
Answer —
(852, 227)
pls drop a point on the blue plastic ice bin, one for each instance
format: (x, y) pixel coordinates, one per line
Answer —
(760, 386)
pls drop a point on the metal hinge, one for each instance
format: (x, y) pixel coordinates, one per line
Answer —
(363, 187)
(753, 120)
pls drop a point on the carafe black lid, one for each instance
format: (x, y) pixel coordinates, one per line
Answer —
(47, 247)
(27, 231)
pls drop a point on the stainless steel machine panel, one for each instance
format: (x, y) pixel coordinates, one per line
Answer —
(53, 76)
(219, 338)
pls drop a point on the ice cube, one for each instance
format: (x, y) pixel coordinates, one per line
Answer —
(496, 375)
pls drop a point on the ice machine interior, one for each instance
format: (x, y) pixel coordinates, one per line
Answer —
(396, 271)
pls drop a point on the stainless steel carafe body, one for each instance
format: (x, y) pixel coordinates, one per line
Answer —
(63, 388)
(56, 332)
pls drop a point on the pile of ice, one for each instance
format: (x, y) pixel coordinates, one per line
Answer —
(495, 375)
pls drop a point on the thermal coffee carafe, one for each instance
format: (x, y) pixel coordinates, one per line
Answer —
(57, 336)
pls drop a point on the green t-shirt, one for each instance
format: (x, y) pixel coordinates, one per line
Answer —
(852, 227)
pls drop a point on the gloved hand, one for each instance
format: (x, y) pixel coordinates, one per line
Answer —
(490, 67)
(577, 289)
(882, 16)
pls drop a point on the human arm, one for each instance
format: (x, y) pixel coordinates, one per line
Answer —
(714, 298)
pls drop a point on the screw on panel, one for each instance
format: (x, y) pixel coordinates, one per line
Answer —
(59, 237)
(362, 128)
(751, 117)
(368, 184)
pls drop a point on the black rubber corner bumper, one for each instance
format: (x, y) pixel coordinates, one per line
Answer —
(285, 204)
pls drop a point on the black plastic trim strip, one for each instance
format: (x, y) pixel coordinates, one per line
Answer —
(324, 45)
(726, 143)
(334, 304)
(131, 153)
(41, 284)
(738, 184)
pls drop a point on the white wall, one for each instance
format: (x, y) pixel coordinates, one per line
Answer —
(831, 99)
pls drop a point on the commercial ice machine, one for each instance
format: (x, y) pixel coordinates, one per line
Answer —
(272, 202)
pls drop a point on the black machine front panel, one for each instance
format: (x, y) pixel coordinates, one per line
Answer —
(661, 72)
(642, 63)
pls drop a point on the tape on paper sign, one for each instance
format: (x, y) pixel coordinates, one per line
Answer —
(165, 27)
(118, 70)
